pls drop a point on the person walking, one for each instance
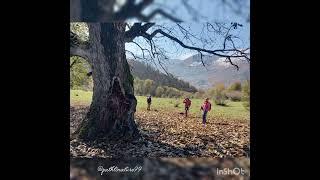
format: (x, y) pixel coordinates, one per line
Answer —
(206, 107)
(187, 104)
(149, 102)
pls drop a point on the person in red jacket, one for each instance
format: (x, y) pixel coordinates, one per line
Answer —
(206, 107)
(187, 104)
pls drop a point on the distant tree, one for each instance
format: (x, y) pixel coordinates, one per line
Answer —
(234, 95)
(145, 71)
(159, 91)
(246, 94)
(200, 94)
(220, 94)
(78, 74)
(148, 83)
(234, 91)
(197, 95)
(210, 92)
(173, 92)
(138, 86)
(236, 86)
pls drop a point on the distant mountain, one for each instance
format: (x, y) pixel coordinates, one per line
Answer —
(216, 70)
(144, 71)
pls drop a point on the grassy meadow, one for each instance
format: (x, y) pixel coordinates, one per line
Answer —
(234, 110)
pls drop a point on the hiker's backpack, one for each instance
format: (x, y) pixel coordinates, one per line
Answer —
(209, 106)
(188, 102)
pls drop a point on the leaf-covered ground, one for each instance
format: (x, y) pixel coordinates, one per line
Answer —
(167, 133)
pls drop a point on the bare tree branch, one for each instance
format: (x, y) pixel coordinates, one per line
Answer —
(185, 31)
(218, 52)
(131, 54)
(147, 18)
(229, 60)
(134, 56)
(195, 13)
(201, 58)
(139, 29)
(132, 10)
(142, 49)
(136, 30)
(105, 11)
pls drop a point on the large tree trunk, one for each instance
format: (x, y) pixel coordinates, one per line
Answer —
(113, 104)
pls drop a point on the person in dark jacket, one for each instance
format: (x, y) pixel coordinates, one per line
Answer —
(149, 102)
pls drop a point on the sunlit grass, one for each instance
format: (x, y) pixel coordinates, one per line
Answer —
(234, 110)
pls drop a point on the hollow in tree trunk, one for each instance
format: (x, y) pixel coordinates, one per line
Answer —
(111, 113)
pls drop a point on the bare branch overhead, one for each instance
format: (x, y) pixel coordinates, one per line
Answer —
(137, 30)
(217, 52)
(230, 53)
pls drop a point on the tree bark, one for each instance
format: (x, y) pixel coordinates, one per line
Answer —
(111, 113)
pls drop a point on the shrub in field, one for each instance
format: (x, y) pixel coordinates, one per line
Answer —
(210, 92)
(246, 94)
(186, 94)
(173, 92)
(199, 95)
(138, 86)
(234, 95)
(220, 97)
(236, 86)
(196, 95)
(220, 100)
(159, 91)
(148, 83)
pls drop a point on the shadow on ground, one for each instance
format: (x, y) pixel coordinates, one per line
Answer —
(158, 141)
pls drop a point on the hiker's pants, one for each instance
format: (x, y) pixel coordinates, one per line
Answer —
(204, 117)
